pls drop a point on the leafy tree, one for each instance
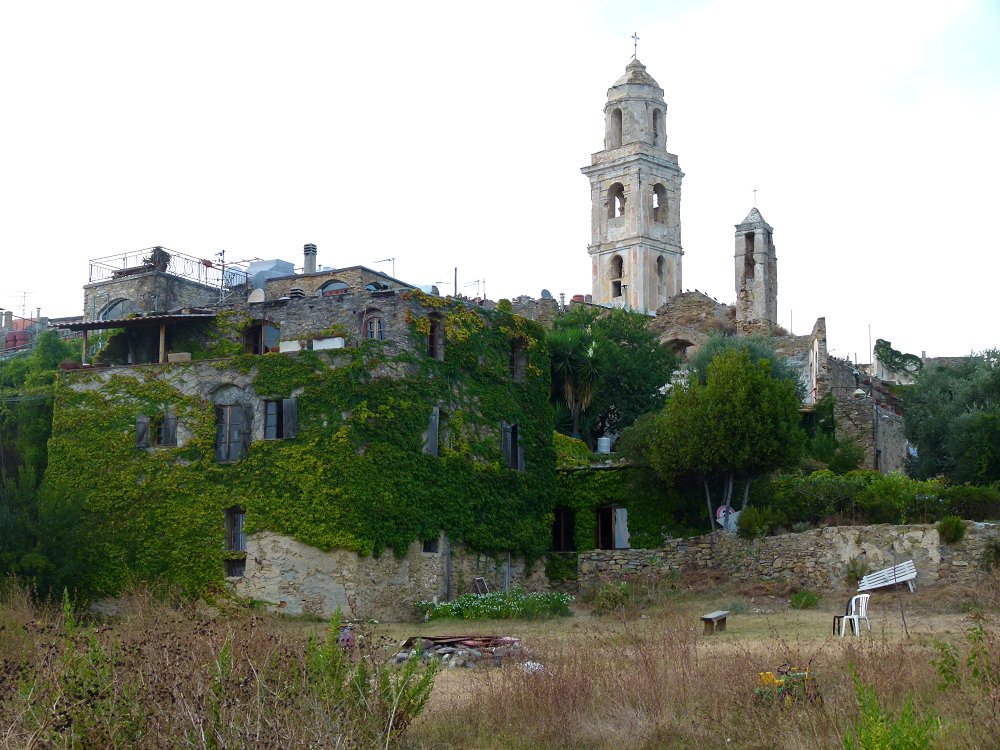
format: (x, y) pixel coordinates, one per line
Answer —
(742, 423)
(953, 418)
(756, 347)
(608, 368)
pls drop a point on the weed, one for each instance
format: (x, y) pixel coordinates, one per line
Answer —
(856, 570)
(804, 599)
(951, 529)
(877, 729)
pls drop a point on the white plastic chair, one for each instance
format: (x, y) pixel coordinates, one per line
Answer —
(856, 612)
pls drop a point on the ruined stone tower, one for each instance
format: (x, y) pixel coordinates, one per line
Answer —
(756, 276)
(635, 193)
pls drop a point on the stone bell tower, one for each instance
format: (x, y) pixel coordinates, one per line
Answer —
(756, 276)
(635, 194)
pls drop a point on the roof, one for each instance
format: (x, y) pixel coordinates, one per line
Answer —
(137, 322)
(635, 72)
(753, 218)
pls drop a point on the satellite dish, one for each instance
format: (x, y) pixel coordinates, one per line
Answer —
(546, 294)
(257, 295)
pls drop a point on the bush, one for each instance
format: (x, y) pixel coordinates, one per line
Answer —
(979, 503)
(498, 605)
(804, 599)
(951, 529)
(756, 522)
(856, 570)
(878, 728)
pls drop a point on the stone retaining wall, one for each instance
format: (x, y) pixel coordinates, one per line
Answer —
(818, 559)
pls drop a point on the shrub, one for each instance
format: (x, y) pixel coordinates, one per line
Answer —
(804, 599)
(856, 570)
(877, 728)
(951, 529)
(757, 522)
(498, 605)
(991, 555)
(979, 503)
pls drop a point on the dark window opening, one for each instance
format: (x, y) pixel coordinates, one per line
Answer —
(236, 542)
(333, 289)
(160, 430)
(232, 432)
(657, 125)
(562, 530)
(518, 359)
(435, 340)
(432, 545)
(280, 419)
(659, 204)
(748, 262)
(513, 450)
(616, 288)
(373, 329)
(612, 528)
(616, 200)
(116, 309)
(261, 339)
(616, 128)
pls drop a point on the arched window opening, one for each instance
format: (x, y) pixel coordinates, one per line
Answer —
(333, 288)
(616, 128)
(116, 309)
(373, 328)
(748, 262)
(617, 271)
(616, 201)
(659, 203)
(261, 338)
(657, 126)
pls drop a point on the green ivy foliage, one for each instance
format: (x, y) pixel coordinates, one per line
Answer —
(355, 477)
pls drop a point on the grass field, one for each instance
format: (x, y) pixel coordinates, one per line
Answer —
(640, 676)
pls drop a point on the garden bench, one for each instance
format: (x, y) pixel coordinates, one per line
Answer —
(715, 622)
(905, 571)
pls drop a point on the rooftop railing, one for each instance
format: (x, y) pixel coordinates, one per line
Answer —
(213, 273)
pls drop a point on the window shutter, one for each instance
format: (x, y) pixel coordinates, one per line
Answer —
(169, 433)
(142, 431)
(432, 443)
(289, 417)
(221, 434)
(246, 426)
(520, 456)
(505, 442)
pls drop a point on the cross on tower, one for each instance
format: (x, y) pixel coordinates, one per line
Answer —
(635, 44)
(755, 197)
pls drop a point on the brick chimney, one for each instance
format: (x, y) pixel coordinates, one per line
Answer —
(309, 266)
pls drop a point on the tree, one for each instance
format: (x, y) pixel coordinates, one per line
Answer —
(757, 347)
(953, 419)
(741, 424)
(614, 366)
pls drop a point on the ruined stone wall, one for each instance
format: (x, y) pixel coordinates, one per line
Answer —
(544, 311)
(152, 291)
(295, 578)
(878, 430)
(816, 559)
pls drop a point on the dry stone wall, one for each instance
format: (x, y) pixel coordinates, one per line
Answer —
(816, 559)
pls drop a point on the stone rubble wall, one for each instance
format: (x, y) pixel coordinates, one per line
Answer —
(816, 559)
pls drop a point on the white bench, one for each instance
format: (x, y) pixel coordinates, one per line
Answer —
(905, 571)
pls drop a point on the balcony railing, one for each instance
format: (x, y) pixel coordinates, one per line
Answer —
(223, 276)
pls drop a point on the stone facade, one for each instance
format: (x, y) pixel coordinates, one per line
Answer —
(756, 276)
(689, 318)
(295, 578)
(816, 559)
(635, 189)
(148, 292)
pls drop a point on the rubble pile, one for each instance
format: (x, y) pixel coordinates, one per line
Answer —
(465, 651)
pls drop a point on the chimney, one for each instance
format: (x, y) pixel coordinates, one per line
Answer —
(8, 319)
(309, 266)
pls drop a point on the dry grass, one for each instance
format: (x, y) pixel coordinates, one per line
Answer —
(643, 678)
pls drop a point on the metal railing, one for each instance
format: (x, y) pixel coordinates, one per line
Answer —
(222, 276)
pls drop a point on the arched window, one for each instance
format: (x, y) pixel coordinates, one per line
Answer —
(116, 309)
(333, 289)
(616, 201)
(617, 268)
(615, 136)
(260, 338)
(659, 204)
(657, 126)
(372, 328)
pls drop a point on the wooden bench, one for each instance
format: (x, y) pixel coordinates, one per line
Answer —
(715, 622)
(905, 571)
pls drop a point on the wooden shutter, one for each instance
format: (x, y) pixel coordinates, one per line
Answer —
(289, 417)
(168, 435)
(221, 433)
(244, 418)
(506, 443)
(432, 443)
(142, 431)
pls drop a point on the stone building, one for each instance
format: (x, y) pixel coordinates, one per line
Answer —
(635, 194)
(756, 276)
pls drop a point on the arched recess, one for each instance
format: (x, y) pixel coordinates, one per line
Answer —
(679, 346)
(659, 203)
(616, 200)
(661, 277)
(615, 134)
(657, 127)
(616, 272)
(333, 288)
(261, 337)
(116, 309)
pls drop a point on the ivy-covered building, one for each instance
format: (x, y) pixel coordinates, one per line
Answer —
(333, 438)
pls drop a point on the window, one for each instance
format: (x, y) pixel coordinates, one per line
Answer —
(513, 450)
(612, 528)
(748, 261)
(261, 338)
(657, 126)
(232, 432)
(518, 359)
(117, 309)
(661, 276)
(236, 542)
(615, 136)
(280, 419)
(155, 431)
(333, 288)
(435, 340)
(432, 545)
(436, 435)
(659, 204)
(562, 530)
(616, 201)
(373, 329)
(616, 272)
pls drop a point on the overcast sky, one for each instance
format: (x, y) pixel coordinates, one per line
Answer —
(452, 134)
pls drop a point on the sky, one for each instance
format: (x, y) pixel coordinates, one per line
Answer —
(451, 134)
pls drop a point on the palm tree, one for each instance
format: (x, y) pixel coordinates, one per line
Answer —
(576, 371)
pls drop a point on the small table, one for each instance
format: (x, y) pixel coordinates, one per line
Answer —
(837, 624)
(715, 622)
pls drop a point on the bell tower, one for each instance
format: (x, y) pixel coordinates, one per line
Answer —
(756, 276)
(635, 194)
